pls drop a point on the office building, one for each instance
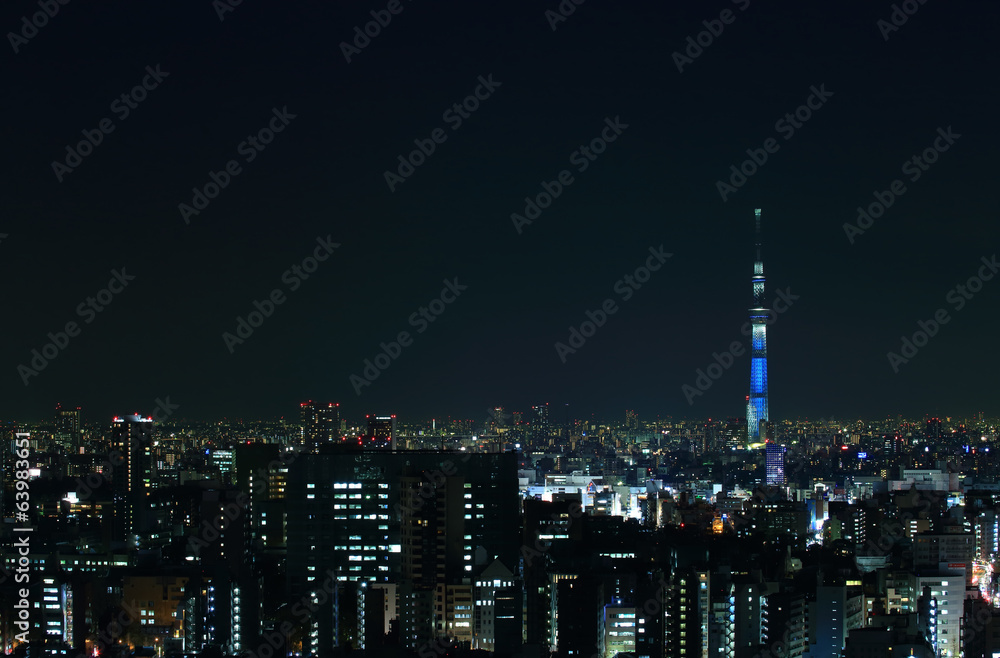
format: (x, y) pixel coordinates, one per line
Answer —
(350, 513)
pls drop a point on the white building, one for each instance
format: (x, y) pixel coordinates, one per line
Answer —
(946, 589)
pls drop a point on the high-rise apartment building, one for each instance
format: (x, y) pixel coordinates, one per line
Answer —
(497, 610)
(320, 423)
(349, 514)
(987, 536)
(131, 438)
(688, 612)
(941, 595)
(540, 427)
(67, 425)
(381, 432)
(837, 610)
(261, 472)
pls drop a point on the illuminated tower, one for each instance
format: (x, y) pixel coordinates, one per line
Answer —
(757, 403)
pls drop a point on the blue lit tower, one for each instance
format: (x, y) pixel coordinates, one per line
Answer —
(757, 402)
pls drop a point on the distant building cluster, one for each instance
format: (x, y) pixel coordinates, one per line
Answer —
(518, 534)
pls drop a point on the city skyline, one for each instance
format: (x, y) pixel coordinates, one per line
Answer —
(209, 540)
(421, 330)
(167, 414)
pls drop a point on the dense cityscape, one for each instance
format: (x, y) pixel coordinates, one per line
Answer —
(559, 329)
(524, 533)
(510, 533)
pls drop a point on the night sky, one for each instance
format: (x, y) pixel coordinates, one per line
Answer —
(324, 175)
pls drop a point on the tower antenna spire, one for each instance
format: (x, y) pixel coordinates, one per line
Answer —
(756, 215)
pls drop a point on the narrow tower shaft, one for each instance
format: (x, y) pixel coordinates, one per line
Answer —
(757, 401)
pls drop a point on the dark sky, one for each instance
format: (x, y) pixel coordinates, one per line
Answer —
(323, 175)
